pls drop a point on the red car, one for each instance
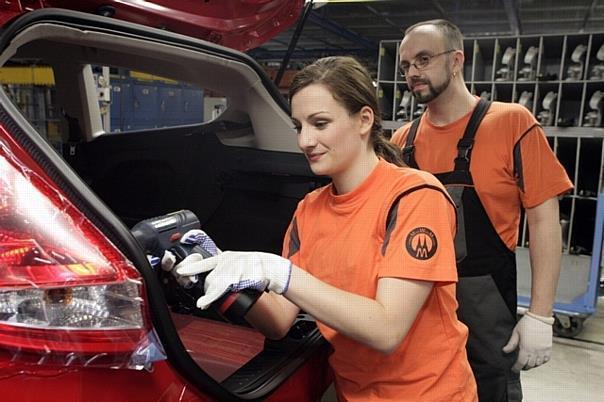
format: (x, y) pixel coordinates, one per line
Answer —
(104, 124)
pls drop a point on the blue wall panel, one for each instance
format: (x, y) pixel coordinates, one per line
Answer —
(137, 105)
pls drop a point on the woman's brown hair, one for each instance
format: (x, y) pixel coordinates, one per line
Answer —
(350, 85)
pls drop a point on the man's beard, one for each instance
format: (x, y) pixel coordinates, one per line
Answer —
(433, 92)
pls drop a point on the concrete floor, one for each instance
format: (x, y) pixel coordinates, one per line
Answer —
(574, 374)
(576, 371)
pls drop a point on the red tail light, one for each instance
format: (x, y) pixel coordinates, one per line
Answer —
(66, 292)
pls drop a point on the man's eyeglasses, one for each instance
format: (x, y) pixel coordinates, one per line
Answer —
(421, 62)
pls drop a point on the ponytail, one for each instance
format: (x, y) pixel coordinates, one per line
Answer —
(387, 150)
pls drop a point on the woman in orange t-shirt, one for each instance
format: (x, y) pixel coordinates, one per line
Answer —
(370, 256)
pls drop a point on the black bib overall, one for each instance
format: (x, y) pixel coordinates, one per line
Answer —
(486, 291)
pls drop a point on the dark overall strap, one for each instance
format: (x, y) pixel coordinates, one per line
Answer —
(460, 176)
(466, 143)
(464, 146)
(408, 154)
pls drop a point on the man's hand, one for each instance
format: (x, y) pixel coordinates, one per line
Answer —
(235, 271)
(533, 336)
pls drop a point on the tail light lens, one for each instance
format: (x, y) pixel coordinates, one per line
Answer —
(67, 294)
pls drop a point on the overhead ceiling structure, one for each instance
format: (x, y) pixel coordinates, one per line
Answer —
(355, 27)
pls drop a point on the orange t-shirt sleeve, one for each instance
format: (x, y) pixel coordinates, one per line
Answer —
(421, 246)
(540, 176)
(291, 242)
(400, 135)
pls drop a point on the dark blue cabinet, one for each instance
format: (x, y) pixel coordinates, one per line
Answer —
(137, 105)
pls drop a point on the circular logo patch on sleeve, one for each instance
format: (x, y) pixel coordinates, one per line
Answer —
(421, 243)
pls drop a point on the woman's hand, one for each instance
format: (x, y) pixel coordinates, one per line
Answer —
(237, 270)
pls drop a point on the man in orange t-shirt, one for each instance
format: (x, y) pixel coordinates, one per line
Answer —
(399, 223)
(494, 159)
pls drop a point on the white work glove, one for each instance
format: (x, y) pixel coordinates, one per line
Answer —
(237, 270)
(153, 260)
(194, 236)
(167, 264)
(533, 337)
(198, 236)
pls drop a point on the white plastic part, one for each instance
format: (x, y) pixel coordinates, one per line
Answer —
(549, 100)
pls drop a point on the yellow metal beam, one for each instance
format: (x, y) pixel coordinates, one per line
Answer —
(27, 76)
(45, 76)
(149, 77)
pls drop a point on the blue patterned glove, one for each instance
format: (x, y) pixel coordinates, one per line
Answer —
(201, 238)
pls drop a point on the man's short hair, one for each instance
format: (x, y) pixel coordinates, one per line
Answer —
(451, 33)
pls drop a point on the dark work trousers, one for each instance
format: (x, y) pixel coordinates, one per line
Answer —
(486, 291)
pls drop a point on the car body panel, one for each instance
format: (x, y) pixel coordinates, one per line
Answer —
(163, 384)
(238, 24)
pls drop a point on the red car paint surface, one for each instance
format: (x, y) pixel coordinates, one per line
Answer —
(238, 24)
(163, 384)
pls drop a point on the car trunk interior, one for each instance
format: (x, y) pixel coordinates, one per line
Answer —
(240, 174)
(241, 204)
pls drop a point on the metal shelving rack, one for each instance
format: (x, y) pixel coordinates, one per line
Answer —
(560, 79)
